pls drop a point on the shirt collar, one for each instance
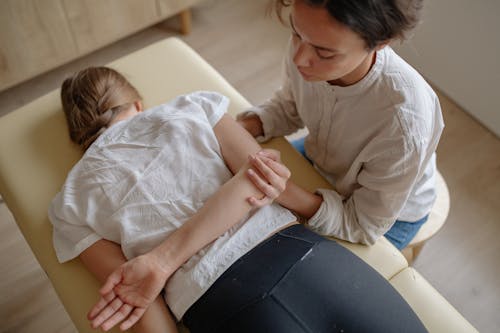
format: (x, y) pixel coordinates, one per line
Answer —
(365, 83)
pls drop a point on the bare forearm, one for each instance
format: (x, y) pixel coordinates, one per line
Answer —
(102, 258)
(224, 209)
(303, 202)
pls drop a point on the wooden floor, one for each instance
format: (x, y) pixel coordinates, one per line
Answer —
(462, 261)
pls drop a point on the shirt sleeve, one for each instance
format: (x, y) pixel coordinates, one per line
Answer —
(385, 183)
(70, 237)
(212, 103)
(279, 114)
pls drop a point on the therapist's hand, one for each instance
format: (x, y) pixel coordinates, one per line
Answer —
(128, 292)
(268, 174)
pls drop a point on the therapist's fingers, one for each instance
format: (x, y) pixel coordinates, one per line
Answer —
(265, 171)
(270, 193)
(273, 172)
(268, 175)
(271, 153)
(272, 161)
(262, 184)
(257, 203)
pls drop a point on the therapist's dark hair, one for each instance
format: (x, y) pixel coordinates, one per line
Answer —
(375, 21)
(91, 98)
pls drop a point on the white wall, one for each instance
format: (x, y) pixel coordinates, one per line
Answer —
(457, 48)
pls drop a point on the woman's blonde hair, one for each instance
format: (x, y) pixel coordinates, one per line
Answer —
(90, 100)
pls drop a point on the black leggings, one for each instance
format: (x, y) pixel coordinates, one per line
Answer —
(298, 281)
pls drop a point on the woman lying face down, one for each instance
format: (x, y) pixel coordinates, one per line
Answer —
(171, 208)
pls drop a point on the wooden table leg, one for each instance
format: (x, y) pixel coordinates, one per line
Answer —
(411, 252)
(185, 20)
(408, 254)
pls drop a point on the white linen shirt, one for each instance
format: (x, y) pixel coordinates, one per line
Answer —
(143, 178)
(374, 141)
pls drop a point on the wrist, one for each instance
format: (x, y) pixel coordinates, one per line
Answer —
(300, 200)
(176, 249)
(253, 125)
(163, 260)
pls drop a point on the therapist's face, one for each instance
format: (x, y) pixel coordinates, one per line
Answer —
(326, 50)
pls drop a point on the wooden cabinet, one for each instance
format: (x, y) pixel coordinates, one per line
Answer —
(94, 22)
(34, 37)
(39, 35)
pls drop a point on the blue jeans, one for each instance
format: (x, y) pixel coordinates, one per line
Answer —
(299, 146)
(401, 233)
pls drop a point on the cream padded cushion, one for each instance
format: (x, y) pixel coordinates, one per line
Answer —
(36, 154)
(435, 312)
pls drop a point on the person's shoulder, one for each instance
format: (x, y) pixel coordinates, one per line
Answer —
(201, 100)
(401, 76)
(83, 177)
(210, 105)
(415, 105)
(209, 95)
(197, 97)
(403, 84)
(92, 160)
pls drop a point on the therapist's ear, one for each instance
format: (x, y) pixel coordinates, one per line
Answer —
(381, 45)
(138, 106)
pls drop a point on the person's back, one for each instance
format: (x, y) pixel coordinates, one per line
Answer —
(143, 178)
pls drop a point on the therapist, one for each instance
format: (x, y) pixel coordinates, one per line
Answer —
(373, 122)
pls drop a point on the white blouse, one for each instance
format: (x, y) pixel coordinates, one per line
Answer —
(374, 141)
(143, 178)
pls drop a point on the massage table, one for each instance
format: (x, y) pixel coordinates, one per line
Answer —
(36, 155)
